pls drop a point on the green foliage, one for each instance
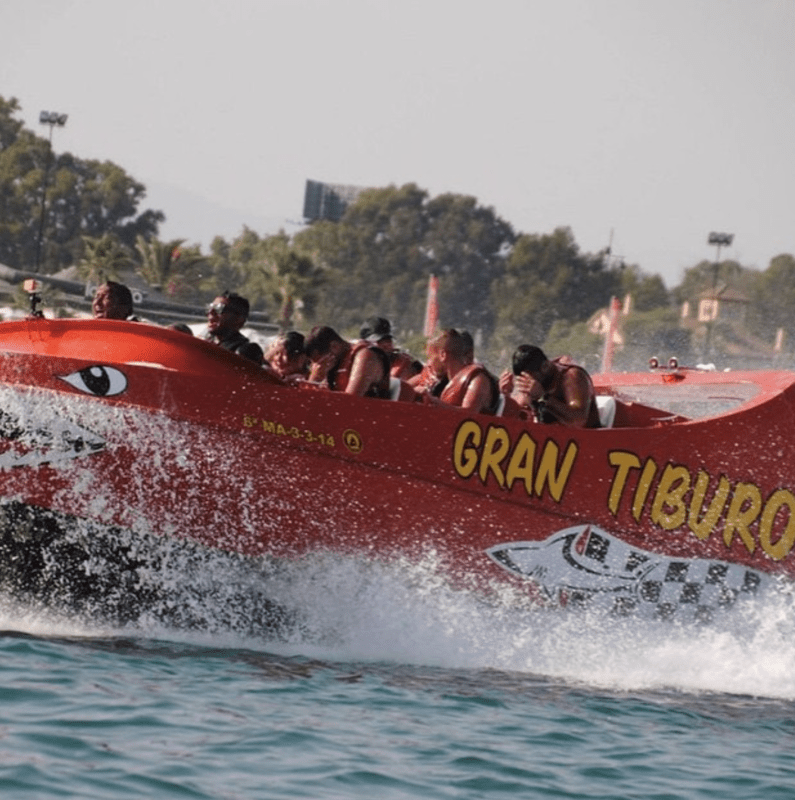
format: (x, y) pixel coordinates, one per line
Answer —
(773, 296)
(378, 258)
(83, 198)
(104, 258)
(575, 340)
(547, 280)
(170, 266)
(271, 272)
(648, 291)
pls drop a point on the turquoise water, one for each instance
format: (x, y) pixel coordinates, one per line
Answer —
(395, 686)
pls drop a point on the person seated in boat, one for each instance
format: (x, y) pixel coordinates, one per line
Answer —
(226, 315)
(378, 331)
(113, 300)
(360, 369)
(286, 357)
(469, 384)
(551, 390)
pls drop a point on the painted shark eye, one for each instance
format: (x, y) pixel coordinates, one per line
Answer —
(99, 381)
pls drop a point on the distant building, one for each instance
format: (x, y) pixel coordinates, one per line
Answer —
(328, 200)
(724, 304)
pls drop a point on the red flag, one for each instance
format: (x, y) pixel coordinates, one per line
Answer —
(432, 307)
(610, 335)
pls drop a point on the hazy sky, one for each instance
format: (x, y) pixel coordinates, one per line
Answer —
(656, 120)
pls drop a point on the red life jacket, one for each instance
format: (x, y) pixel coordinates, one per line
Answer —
(456, 390)
(340, 374)
(402, 365)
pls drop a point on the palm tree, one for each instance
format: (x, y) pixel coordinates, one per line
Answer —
(168, 266)
(104, 258)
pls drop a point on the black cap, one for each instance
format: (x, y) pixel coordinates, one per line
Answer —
(375, 329)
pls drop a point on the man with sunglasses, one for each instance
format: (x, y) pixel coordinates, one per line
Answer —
(226, 315)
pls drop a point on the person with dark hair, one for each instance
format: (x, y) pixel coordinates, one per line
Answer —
(469, 384)
(378, 331)
(226, 315)
(181, 327)
(112, 300)
(286, 356)
(360, 369)
(553, 390)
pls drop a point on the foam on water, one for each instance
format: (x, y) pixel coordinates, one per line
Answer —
(349, 609)
(406, 614)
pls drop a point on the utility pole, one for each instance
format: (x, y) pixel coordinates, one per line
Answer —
(51, 118)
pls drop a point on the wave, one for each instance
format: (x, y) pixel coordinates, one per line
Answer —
(351, 609)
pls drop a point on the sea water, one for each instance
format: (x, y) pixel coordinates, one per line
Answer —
(391, 684)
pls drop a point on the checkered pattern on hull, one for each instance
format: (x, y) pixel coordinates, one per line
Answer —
(585, 566)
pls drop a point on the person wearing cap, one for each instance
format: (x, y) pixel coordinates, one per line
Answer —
(286, 356)
(226, 315)
(378, 331)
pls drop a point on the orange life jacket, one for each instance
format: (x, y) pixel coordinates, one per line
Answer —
(456, 390)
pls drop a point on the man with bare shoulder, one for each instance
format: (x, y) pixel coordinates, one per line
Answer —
(469, 384)
(552, 390)
(360, 369)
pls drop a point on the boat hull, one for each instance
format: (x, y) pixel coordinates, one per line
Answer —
(147, 431)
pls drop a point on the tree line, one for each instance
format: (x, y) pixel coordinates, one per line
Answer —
(504, 287)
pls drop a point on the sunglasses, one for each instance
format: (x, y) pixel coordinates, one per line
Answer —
(218, 308)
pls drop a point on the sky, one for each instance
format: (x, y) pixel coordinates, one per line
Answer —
(641, 124)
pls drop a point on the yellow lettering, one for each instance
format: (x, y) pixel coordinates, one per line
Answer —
(746, 503)
(521, 463)
(668, 509)
(555, 482)
(623, 462)
(249, 421)
(704, 527)
(280, 429)
(268, 427)
(465, 454)
(779, 499)
(642, 489)
(495, 448)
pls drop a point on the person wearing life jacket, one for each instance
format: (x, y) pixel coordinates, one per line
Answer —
(226, 315)
(378, 331)
(553, 391)
(286, 357)
(428, 381)
(360, 369)
(470, 385)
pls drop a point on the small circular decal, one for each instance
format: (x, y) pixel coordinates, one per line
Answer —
(353, 441)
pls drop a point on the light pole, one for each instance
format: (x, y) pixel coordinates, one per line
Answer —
(51, 118)
(719, 240)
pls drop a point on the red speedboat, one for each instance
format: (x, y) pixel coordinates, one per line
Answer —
(119, 440)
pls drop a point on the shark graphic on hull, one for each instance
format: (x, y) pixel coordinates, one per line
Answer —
(586, 566)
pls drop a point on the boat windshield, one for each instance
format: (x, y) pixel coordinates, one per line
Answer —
(694, 401)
